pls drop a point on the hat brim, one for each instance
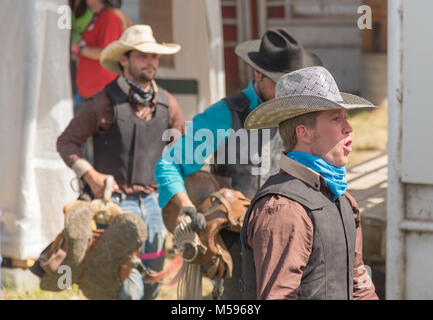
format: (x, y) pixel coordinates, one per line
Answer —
(307, 59)
(110, 56)
(271, 113)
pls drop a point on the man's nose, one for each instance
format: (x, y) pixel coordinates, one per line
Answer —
(347, 127)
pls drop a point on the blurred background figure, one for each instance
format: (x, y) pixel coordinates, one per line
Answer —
(81, 16)
(105, 27)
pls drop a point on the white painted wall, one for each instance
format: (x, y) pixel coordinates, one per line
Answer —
(410, 188)
(417, 103)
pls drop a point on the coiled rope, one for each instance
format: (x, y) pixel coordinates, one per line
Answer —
(190, 283)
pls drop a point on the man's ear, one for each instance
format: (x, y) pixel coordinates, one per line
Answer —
(257, 75)
(123, 60)
(303, 134)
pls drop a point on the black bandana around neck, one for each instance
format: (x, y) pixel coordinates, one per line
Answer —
(138, 95)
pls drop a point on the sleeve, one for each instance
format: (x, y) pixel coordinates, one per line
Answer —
(177, 121)
(281, 236)
(187, 155)
(89, 120)
(110, 30)
(363, 287)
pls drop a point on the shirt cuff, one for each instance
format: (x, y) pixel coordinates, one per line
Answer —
(81, 166)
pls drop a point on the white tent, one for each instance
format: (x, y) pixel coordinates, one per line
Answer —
(36, 106)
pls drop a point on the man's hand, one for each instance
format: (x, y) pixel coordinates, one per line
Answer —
(181, 200)
(96, 182)
(74, 54)
(198, 221)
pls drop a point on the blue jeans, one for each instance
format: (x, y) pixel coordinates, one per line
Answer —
(146, 207)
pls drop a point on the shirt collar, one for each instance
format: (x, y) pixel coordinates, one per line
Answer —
(300, 171)
(121, 81)
(123, 84)
(251, 94)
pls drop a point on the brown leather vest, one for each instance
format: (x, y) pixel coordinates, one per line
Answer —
(131, 147)
(329, 271)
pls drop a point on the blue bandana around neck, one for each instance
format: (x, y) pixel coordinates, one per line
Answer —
(333, 176)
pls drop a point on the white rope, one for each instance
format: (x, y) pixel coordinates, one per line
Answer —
(183, 235)
(190, 284)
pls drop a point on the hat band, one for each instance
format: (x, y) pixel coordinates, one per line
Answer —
(292, 63)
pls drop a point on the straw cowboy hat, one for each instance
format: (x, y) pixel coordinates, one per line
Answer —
(138, 37)
(299, 92)
(276, 54)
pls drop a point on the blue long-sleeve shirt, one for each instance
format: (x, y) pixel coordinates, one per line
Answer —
(178, 162)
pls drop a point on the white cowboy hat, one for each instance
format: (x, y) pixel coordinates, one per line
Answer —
(299, 92)
(137, 37)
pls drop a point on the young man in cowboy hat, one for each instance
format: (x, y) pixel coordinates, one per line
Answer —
(275, 54)
(126, 120)
(301, 237)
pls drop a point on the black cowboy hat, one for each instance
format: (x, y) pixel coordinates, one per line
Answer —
(276, 54)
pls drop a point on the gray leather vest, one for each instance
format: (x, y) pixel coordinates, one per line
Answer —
(131, 147)
(329, 271)
(247, 163)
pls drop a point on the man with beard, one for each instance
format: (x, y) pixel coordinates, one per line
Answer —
(126, 120)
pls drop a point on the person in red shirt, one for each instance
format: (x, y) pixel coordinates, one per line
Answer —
(105, 27)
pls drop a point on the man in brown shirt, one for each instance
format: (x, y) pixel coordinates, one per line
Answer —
(127, 121)
(302, 237)
(96, 117)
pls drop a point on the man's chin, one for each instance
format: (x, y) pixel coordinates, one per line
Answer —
(338, 163)
(343, 161)
(146, 78)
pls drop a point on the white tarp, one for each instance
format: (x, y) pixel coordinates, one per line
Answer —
(35, 107)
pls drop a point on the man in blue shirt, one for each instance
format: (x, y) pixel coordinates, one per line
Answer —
(245, 165)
